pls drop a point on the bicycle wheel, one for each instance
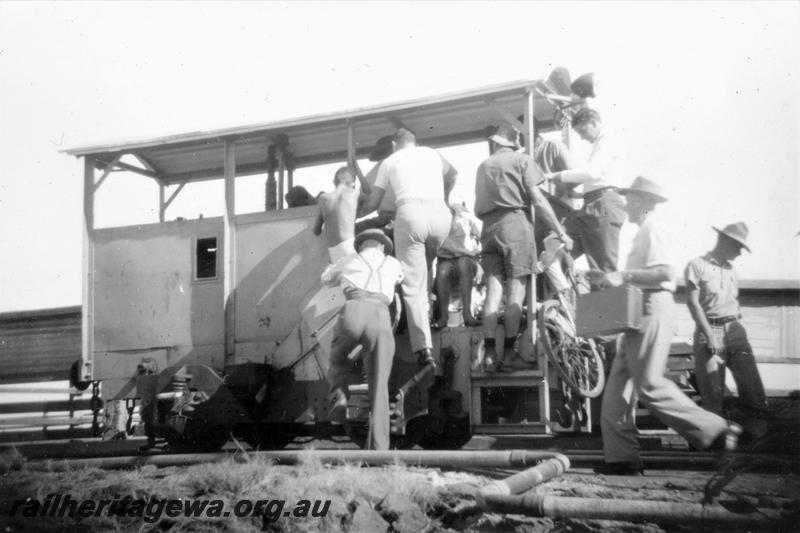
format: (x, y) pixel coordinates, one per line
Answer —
(576, 359)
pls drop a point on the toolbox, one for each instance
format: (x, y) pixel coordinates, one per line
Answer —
(614, 310)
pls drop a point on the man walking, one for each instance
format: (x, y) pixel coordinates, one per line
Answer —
(506, 185)
(720, 340)
(638, 372)
(422, 181)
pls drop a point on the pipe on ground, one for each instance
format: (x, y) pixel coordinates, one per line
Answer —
(543, 505)
(506, 458)
(548, 469)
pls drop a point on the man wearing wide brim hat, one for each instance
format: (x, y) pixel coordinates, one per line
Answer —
(720, 340)
(384, 147)
(643, 361)
(368, 278)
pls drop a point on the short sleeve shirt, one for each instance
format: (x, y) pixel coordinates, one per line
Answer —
(717, 284)
(388, 202)
(502, 181)
(415, 173)
(651, 247)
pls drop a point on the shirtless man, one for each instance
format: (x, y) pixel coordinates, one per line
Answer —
(337, 212)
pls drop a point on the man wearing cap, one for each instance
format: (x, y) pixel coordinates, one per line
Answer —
(422, 181)
(506, 186)
(638, 372)
(368, 278)
(383, 149)
(720, 340)
(596, 226)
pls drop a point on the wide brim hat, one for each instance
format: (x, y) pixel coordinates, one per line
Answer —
(383, 148)
(645, 186)
(507, 136)
(737, 231)
(376, 235)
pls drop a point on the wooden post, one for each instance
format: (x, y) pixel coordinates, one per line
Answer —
(162, 205)
(229, 222)
(87, 309)
(544, 386)
(351, 144)
(270, 203)
(289, 170)
(283, 142)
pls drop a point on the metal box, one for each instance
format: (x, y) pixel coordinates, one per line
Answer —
(609, 311)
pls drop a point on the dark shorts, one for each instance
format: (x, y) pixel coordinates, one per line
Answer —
(508, 244)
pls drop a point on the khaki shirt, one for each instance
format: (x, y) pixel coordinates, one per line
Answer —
(717, 283)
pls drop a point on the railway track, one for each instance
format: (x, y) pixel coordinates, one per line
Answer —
(79, 453)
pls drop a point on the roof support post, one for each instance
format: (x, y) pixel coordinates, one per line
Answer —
(229, 253)
(270, 202)
(290, 166)
(351, 144)
(87, 309)
(544, 386)
(162, 205)
(282, 143)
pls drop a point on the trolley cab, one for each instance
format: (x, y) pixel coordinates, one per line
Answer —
(220, 325)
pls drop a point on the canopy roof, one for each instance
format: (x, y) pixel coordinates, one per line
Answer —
(448, 119)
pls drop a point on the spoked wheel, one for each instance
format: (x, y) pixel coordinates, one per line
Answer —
(576, 359)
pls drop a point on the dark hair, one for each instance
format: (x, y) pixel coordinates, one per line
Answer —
(584, 116)
(338, 177)
(404, 136)
(298, 196)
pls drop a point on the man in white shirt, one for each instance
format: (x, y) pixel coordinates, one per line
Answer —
(595, 227)
(422, 181)
(368, 278)
(638, 372)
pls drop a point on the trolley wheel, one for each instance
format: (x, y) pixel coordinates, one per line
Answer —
(197, 439)
(75, 377)
(449, 434)
(267, 437)
(576, 359)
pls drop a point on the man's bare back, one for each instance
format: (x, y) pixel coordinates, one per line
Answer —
(337, 210)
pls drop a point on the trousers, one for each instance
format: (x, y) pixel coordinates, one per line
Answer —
(421, 226)
(595, 229)
(638, 374)
(737, 355)
(366, 322)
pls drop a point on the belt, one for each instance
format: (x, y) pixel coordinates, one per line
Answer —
(598, 193)
(408, 201)
(722, 320)
(368, 299)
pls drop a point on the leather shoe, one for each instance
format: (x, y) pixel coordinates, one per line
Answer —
(425, 358)
(620, 469)
(727, 442)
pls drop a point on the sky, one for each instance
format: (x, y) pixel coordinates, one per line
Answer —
(706, 97)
